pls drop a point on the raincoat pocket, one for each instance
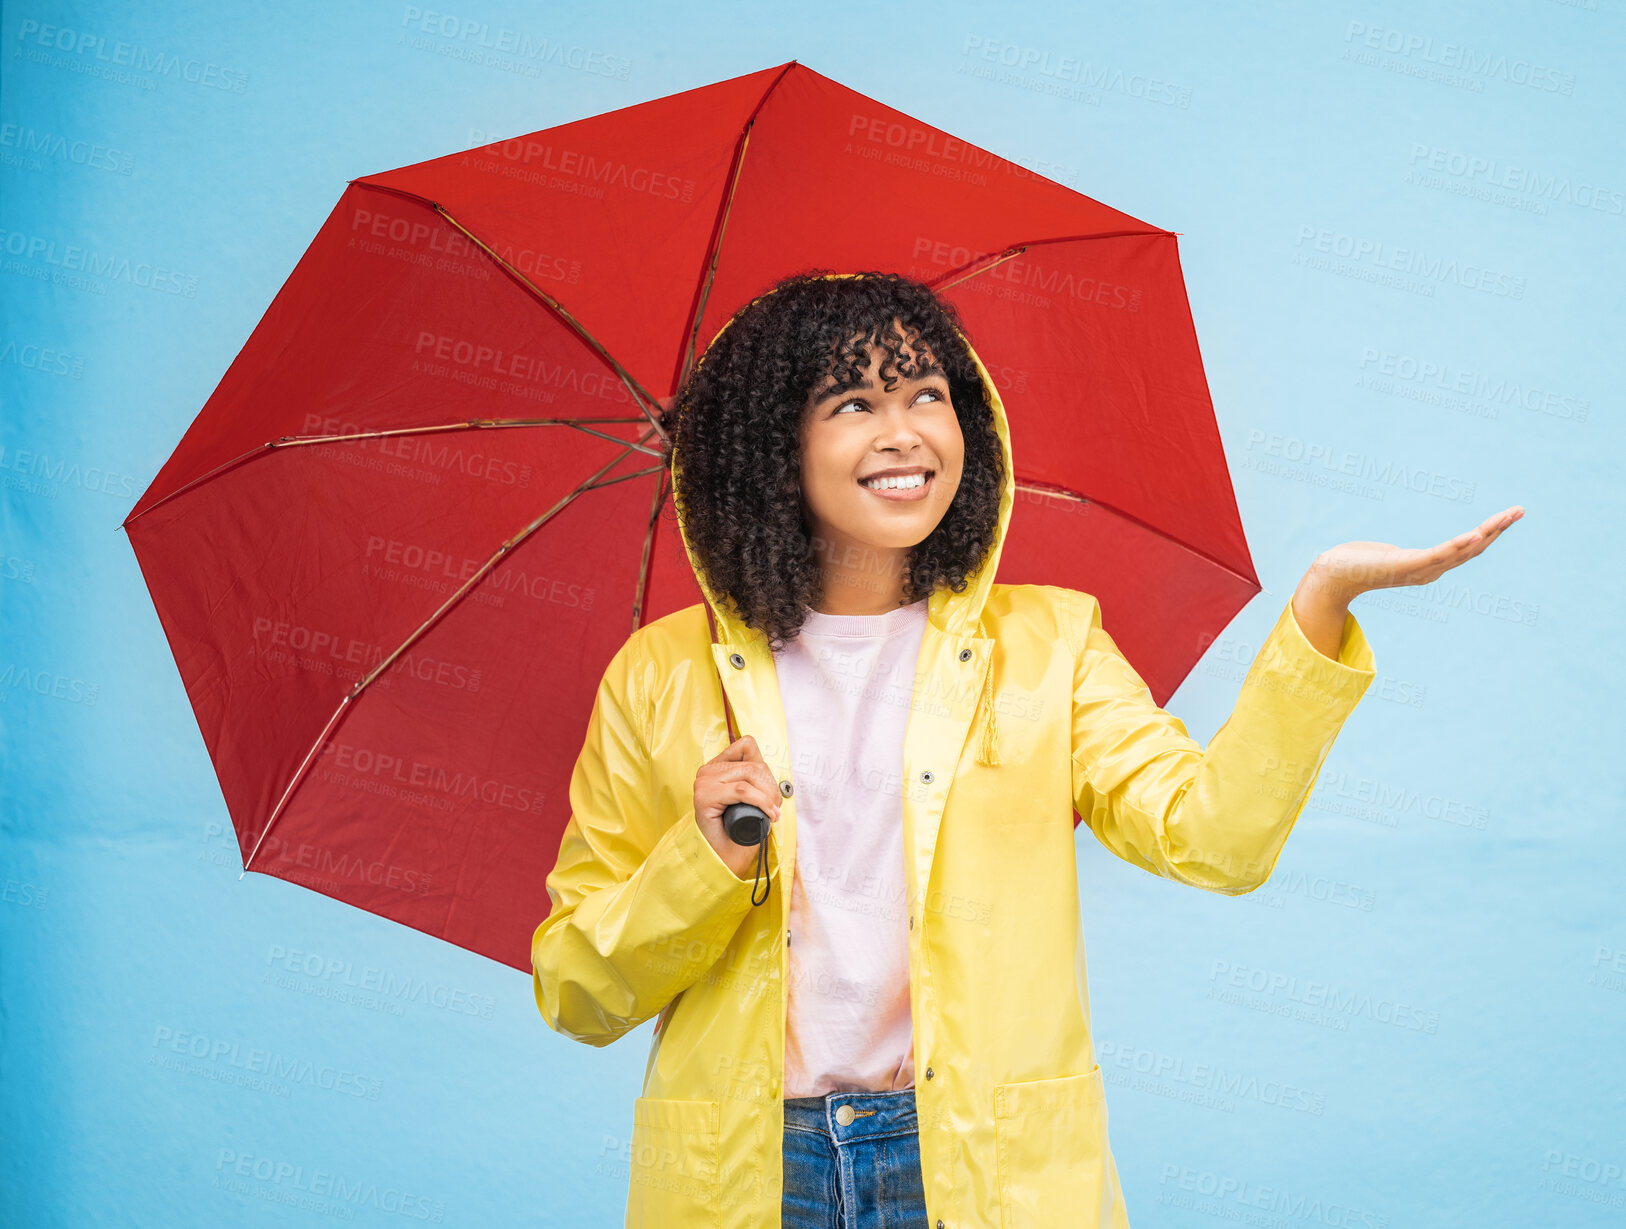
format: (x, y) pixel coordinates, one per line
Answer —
(1050, 1144)
(674, 1164)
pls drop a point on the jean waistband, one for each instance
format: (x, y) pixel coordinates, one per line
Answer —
(872, 1114)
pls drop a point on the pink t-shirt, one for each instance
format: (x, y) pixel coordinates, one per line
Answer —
(847, 682)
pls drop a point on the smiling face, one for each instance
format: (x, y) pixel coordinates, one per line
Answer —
(881, 462)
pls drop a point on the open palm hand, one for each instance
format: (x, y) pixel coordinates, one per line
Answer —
(1356, 567)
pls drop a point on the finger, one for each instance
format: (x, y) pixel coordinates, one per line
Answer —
(1488, 529)
(1446, 556)
(741, 770)
(758, 774)
(1499, 523)
(1465, 546)
(753, 791)
(742, 748)
(1462, 547)
(1475, 539)
(764, 780)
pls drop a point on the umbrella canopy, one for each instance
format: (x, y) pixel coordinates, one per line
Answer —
(428, 500)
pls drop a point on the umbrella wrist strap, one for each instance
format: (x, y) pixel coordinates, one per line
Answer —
(762, 870)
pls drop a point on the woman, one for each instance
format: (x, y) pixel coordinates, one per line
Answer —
(842, 477)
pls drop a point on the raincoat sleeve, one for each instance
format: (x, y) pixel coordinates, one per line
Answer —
(1217, 818)
(639, 912)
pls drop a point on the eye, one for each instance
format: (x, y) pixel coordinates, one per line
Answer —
(935, 393)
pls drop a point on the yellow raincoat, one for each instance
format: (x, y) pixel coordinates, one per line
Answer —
(1024, 710)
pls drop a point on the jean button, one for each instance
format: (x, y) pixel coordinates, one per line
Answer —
(845, 1115)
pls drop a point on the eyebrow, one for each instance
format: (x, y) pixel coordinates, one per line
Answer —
(838, 390)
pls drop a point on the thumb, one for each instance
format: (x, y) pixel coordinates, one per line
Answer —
(742, 748)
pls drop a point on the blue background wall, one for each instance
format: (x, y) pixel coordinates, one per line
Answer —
(1455, 881)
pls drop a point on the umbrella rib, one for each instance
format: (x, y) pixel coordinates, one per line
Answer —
(1061, 492)
(644, 400)
(715, 244)
(710, 274)
(286, 441)
(642, 473)
(649, 543)
(996, 258)
(999, 259)
(361, 684)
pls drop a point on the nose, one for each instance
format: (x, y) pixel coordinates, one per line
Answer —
(895, 431)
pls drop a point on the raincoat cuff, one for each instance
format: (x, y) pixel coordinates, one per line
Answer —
(1343, 679)
(713, 877)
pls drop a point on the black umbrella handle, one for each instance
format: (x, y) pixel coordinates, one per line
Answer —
(745, 824)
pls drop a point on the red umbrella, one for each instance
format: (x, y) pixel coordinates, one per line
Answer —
(426, 503)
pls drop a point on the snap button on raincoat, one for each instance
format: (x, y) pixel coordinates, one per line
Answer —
(1024, 710)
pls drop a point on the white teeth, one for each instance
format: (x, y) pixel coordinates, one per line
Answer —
(896, 484)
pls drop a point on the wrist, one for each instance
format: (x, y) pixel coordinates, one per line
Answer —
(1326, 588)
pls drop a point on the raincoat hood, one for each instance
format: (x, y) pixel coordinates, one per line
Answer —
(955, 613)
(959, 615)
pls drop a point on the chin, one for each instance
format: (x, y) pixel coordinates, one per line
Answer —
(900, 538)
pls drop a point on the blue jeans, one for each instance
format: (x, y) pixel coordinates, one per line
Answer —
(861, 1174)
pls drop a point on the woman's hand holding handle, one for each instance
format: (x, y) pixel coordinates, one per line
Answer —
(739, 774)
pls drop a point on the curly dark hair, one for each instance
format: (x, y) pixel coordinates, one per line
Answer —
(735, 428)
